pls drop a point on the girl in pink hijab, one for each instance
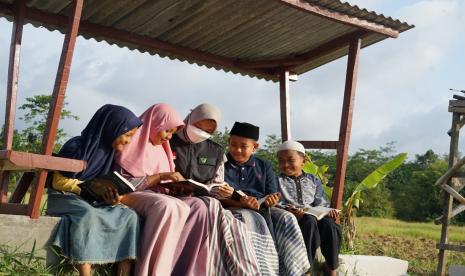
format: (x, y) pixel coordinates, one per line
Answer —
(175, 235)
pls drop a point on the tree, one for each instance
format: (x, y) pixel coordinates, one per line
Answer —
(416, 197)
(36, 113)
(221, 138)
(269, 149)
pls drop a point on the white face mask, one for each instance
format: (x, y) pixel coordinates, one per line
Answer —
(196, 135)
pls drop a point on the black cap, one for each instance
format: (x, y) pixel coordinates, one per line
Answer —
(245, 130)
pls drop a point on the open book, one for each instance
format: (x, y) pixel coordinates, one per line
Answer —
(196, 187)
(94, 189)
(319, 211)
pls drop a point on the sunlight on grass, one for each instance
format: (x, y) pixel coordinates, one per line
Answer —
(429, 230)
(411, 241)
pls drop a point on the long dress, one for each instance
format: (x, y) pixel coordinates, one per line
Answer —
(231, 249)
(146, 157)
(84, 231)
(87, 233)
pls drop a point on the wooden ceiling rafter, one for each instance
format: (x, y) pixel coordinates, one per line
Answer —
(340, 18)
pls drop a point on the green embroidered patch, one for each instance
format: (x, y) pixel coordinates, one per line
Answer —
(205, 160)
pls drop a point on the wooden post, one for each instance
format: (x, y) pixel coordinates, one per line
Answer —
(56, 105)
(284, 105)
(346, 121)
(12, 90)
(453, 157)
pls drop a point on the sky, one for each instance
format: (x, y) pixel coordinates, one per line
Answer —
(402, 89)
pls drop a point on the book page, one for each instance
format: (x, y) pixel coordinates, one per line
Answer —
(319, 211)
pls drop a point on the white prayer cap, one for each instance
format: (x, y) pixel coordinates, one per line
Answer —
(292, 145)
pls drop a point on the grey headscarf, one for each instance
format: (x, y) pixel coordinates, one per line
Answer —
(201, 112)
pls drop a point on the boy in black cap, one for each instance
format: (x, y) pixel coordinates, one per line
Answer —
(256, 191)
(247, 173)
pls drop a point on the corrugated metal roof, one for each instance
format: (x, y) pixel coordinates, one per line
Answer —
(240, 30)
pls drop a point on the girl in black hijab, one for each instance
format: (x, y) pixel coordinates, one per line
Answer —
(90, 234)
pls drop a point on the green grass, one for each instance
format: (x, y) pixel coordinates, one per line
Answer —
(13, 261)
(410, 241)
(394, 227)
(16, 262)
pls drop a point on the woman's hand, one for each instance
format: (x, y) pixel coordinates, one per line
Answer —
(224, 191)
(272, 199)
(249, 202)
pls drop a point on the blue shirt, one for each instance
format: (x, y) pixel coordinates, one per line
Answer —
(302, 191)
(255, 177)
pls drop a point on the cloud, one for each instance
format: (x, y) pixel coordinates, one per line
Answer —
(401, 90)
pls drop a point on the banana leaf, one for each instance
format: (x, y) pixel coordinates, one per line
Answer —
(372, 180)
(319, 171)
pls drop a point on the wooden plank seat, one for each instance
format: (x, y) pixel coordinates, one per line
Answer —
(33, 166)
(11, 160)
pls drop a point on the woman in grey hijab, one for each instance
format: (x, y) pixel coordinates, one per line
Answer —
(199, 158)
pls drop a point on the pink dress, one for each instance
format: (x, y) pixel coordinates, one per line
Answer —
(175, 235)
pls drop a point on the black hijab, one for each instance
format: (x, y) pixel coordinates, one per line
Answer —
(95, 143)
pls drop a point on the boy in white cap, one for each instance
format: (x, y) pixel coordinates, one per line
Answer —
(300, 190)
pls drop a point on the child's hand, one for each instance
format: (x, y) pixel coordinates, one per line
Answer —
(334, 214)
(171, 176)
(180, 190)
(224, 191)
(111, 196)
(298, 212)
(272, 199)
(249, 202)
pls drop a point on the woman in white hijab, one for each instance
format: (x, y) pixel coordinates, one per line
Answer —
(199, 158)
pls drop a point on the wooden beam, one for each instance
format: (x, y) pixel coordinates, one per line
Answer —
(284, 105)
(21, 187)
(13, 74)
(447, 209)
(450, 172)
(292, 62)
(319, 144)
(339, 17)
(452, 247)
(13, 209)
(132, 38)
(459, 209)
(460, 124)
(346, 122)
(56, 105)
(25, 161)
(12, 90)
(454, 193)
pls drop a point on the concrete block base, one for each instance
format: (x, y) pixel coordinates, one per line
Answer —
(20, 232)
(371, 266)
(456, 270)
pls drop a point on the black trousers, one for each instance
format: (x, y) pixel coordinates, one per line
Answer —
(324, 233)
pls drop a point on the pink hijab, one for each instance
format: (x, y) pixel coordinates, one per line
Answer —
(141, 158)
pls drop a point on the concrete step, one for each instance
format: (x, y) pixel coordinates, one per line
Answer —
(362, 265)
(20, 232)
(456, 270)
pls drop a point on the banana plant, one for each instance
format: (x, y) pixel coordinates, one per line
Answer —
(320, 172)
(353, 202)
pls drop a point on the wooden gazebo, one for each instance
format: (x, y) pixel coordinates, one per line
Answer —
(268, 39)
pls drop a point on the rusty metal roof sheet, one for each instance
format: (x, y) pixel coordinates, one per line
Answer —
(238, 31)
